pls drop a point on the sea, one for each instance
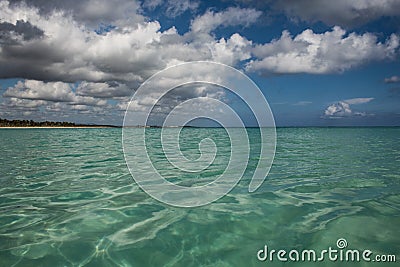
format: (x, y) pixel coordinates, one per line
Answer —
(67, 198)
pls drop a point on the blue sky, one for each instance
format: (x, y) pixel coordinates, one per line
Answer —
(318, 63)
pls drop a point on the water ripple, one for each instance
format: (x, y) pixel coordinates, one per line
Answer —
(67, 199)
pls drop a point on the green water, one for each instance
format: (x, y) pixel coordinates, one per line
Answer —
(68, 199)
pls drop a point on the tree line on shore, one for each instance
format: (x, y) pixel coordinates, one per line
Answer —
(31, 123)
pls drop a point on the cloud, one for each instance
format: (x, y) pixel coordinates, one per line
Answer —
(172, 8)
(80, 107)
(393, 79)
(11, 34)
(89, 12)
(302, 103)
(339, 109)
(70, 51)
(178, 95)
(233, 50)
(75, 54)
(341, 12)
(342, 109)
(25, 103)
(329, 52)
(152, 4)
(41, 110)
(232, 16)
(162, 107)
(178, 7)
(73, 64)
(104, 90)
(38, 90)
(51, 91)
(356, 101)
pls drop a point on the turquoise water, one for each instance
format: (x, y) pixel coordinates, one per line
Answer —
(68, 199)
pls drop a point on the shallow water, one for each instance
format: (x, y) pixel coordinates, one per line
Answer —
(68, 199)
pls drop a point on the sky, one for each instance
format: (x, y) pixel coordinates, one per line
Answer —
(317, 62)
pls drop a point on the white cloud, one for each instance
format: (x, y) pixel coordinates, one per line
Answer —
(171, 8)
(356, 101)
(116, 12)
(340, 12)
(393, 79)
(92, 13)
(178, 7)
(38, 90)
(302, 103)
(232, 51)
(25, 103)
(339, 109)
(50, 91)
(80, 107)
(232, 16)
(56, 107)
(103, 90)
(70, 51)
(152, 4)
(329, 52)
(343, 109)
(176, 96)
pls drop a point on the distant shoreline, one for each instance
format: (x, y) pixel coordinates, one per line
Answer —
(153, 127)
(30, 124)
(56, 127)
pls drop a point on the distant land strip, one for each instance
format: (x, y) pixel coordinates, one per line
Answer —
(4, 123)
